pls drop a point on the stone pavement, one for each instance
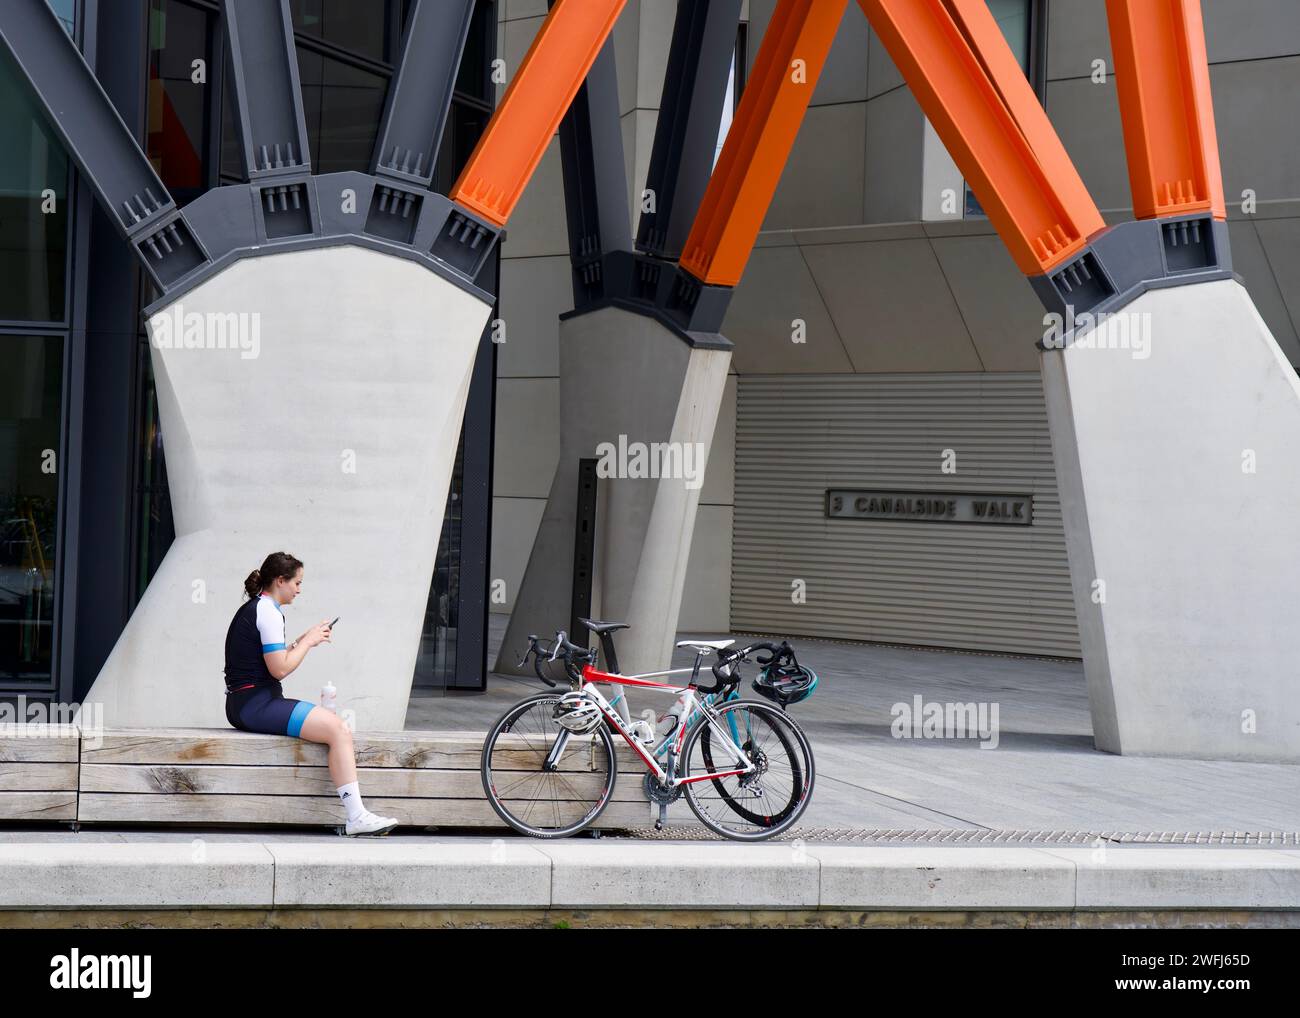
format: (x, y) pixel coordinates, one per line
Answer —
(1043, 775)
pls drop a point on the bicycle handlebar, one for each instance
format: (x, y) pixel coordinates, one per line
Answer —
(728, 658)
(570, 654)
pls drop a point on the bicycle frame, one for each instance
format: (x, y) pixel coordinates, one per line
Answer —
(660, 748)
(666, 776)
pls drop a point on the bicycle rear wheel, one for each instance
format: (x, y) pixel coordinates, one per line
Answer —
(529, 797)
(755, 806)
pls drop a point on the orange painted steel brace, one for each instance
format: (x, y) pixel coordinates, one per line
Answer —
(786, 70)
(1163, 78)
(535, 102)
(967, 81)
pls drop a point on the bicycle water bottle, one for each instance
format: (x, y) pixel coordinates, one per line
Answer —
(328, 697)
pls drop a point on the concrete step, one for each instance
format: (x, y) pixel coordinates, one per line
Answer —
(435, 872)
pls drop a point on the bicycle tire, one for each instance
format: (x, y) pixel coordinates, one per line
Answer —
(504, 725)
(800, 789)
(798, 751)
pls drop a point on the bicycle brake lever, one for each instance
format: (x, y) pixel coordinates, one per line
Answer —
(532, 649)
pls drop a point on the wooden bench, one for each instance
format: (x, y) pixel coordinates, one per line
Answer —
(223, 776)
(38, 772)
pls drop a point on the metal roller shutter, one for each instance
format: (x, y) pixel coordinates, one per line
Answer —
(975, 587)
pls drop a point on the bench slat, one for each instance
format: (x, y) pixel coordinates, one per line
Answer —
(38, 743)
(436, 750)
(55, 805)
(377, 781)
(38, 777)
(105, 807)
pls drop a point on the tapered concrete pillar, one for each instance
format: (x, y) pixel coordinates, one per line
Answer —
(1177, 447)
(329, 430)
(627, 383)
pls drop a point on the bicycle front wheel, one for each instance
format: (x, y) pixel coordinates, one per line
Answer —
(764, 802)
(540, 778)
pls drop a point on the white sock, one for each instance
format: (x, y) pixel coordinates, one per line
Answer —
(351, 796)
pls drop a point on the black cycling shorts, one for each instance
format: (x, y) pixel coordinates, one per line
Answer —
(261, 708)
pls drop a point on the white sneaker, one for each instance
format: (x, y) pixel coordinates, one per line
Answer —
(369, 825)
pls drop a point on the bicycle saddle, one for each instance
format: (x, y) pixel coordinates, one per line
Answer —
(703, 645)
(600, 628)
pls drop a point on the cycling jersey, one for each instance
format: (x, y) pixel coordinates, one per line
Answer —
(256, 629)
(254, 699)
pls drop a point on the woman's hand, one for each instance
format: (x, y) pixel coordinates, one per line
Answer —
(316, 634)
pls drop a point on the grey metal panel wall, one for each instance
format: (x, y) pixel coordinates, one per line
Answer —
(969, 586)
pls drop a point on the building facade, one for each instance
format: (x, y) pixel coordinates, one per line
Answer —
(83, 480)
(884, 339)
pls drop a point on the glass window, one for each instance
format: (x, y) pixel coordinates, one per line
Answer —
(735, 84)
(155, 530)
(343, 105)
(179, 107)
(728, 110)
(33, 206)
(361, 27)
(473, 78)
(66, 10)
(31, 383)
(435, 665)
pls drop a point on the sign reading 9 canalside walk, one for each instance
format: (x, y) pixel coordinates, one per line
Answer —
(930, 507)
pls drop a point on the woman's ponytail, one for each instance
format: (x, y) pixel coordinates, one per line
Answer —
(279, 565)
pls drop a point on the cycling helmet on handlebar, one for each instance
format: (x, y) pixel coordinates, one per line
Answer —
(784, 681)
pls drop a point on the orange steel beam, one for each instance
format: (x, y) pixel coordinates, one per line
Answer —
(1163, 78)
(760, 138)
(535, 102)
(971, 87)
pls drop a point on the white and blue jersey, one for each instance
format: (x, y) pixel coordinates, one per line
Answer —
(254, 700)
(256, 629)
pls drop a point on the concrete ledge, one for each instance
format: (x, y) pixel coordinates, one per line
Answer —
(943, 878)
(195, 874)
(373, 874)
(1184, 878)
(426, 874)
(681, 875)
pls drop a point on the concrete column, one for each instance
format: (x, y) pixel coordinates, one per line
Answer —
(624, 379)
(1176, 435)
(331, 434)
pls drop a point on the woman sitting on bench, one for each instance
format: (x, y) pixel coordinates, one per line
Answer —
(258, 659)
